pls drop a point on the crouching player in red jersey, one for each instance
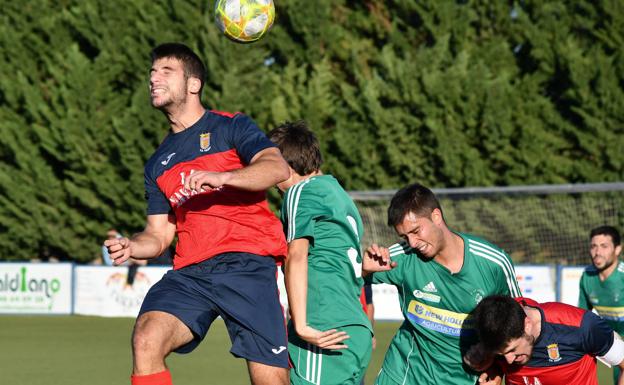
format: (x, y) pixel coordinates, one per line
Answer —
(545, 344)
(206, 183)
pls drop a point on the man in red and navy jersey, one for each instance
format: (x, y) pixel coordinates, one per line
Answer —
(545, 344)
(206, 184)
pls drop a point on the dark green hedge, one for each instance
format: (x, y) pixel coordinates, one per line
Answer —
(450, 93)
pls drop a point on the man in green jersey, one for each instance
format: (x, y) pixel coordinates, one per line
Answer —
(330, 336)
(602, 283)
(441, 276)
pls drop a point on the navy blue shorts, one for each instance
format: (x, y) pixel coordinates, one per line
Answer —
(239, 287)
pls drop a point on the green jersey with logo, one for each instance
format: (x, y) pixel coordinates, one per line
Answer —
(429, 345)
(607, 296)
(320, 210)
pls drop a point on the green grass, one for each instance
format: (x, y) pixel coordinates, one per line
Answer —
(75, 350)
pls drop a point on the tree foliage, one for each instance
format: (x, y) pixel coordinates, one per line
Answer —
(449, 93)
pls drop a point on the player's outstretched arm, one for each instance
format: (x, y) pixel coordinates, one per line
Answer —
(376, 258)
(615, 356)
(600, 335)
(150, 243)
(296, 279)
(266, 169)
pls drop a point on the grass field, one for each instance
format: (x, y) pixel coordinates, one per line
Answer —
(75, 350)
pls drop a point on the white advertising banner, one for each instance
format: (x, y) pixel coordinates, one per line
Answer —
(35, 288)
(537, 282)
(569, 279)
(386, 301)
(103, 291)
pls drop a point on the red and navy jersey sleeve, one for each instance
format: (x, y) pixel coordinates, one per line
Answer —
(597, 335)
(246, 138)
(157, 202)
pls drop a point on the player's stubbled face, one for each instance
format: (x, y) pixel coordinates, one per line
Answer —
(603, 251)
(421, 233)
(167, 83)
(518, 351)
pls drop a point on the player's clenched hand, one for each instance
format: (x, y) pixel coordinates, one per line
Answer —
(478, 358)
(377, 258)
(330, 339)
(200, 181)
(490, 379)
(118, 249)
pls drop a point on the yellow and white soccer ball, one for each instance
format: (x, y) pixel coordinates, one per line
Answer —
(244, 21)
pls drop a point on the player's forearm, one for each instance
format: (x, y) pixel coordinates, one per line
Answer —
(296, 279)
(620, 379)
(147, 245)
(370, 313)
(265, 172)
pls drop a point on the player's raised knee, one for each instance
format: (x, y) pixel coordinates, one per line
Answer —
(150, 334)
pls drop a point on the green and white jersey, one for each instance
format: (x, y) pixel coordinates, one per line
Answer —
(607, 296)
(320, 210)
(429, 345)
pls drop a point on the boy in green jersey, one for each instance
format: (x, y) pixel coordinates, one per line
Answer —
(330, 336)
(441, 276)
(602, 283)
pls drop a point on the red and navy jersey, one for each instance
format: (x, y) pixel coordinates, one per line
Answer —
(565, 351)
(217, 221)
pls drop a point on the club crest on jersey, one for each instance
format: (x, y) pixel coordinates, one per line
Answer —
(553, 353)
(204, 141)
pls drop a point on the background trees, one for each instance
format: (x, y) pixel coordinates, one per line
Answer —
(450, 93)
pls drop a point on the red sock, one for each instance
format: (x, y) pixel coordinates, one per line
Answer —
(162, 378)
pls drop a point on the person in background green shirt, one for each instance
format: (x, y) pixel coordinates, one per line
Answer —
(602, 283)
(441, 275)
(329, 335)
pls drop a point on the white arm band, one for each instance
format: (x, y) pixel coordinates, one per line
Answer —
(615, 355)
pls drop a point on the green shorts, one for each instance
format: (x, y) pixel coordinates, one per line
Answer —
(313, 365)
(385, 379)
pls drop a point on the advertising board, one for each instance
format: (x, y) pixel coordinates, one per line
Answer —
(35, 288)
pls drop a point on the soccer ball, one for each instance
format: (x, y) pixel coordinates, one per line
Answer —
(244, 21)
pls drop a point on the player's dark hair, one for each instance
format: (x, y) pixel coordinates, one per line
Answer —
(414, 198)
(299, 146)
(607, 230)
(498, 319)
(192, 64)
